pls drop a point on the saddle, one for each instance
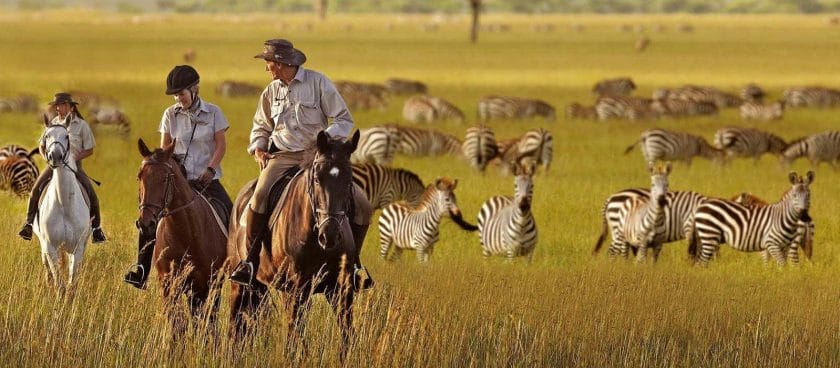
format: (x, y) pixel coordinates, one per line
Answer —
(81, 189)
(220, 212)
(276, 195)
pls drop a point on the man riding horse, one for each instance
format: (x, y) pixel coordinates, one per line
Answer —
(292, 110)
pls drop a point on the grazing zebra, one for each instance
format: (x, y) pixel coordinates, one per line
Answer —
(642, 43)
(811, 96)
(426, 109)
(751, 229)
(506, 225)
(804, 236)
(91, 100)
(536, 144)
(624, 107)
(417, 228)
(480, 146)
(109, 116)
(820, 147)
(757, 111)
(363, 96)
(746, 142)
(575, 110)
(384, 185)
(622, 86)
(499, 107)
(14, 150)
(378, 145)
(752, 93)
(230, 88)
(423, 142)
(20, 103)
(18, 174)
(700, 94)
(681, 108)
(665, 145)
(405, 87)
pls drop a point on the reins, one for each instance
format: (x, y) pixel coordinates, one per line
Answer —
(163, 209)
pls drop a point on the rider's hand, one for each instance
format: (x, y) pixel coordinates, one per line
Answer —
(206, 177)
(262, 157)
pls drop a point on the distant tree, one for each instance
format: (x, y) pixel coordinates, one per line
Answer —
(321, 8)
(475, 7)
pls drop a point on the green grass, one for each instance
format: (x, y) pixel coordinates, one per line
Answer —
(566, 308)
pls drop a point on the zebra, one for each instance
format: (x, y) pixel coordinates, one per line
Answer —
(575, 110)
(110, 116)
(362, 96)
(20, 103)
(811, 96)
(418, 228)
(757, 111)
(18, 175)
(746, 142)
(500, 107)
(384, 185)
(622, 86)
(377, 145)
(665, 145)
(479, 146)
(405, 87)
(750, 229)
(700, 94)
(819, 147)
(14, 150)
(535, 144)
(506, 225)
(624, 107)
(680, 108)
(752, 93)
(642, 43)
(422, 142)
(426, 109)
(230, 88)
(804, 237)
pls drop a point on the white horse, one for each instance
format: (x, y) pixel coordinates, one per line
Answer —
(63, 223)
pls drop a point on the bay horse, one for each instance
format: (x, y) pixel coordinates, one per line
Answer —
(190, 249)
(63, 223)
(311, 248)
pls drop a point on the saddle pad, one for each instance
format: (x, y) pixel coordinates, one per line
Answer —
(217, 208)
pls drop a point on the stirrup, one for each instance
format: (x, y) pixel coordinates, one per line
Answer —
(26, 232)
(237, 275)
(361, 281)
(140, 284)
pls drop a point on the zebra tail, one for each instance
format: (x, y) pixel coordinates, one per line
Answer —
(35, 151)
(692, 243)
(458, 219)
(603, 235)
(631, 147)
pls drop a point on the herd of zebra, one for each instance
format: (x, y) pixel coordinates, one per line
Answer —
(614, 101)
(96, 109)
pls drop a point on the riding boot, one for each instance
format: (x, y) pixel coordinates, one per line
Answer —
(140, 273)
(361, 277)
(32, 207)
(246, 271)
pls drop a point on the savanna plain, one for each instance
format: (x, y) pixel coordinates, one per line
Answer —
(566, 308)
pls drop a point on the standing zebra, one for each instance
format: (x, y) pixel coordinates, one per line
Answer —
(384, 185)
(804, 235)
(700, 94)
(811, 96)
(757, 111)
(746, 142)
(536, 144)
(506, 225)
(20, 103)
(624, 107)
(423, 142)
(18, 175)
(399, 86)
(480, 146)
(665, 145)
(751, 229)
(426, 109)
(377, 145)
(417, 228)
(820, 147)
(575, 110)
(752, 93)
(622, 86)
(500, 107)
(363, 96)
(14, 150)
(681, 108)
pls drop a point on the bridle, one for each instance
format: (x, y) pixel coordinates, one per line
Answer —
(163, 209)
(64, 146)
(339, 216)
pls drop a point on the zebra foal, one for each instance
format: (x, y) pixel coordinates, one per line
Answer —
(506, 225)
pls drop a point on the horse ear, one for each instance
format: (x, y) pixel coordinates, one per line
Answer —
(792, 177)
(323, 141)
(46, 120)
(810, 176)
(144, 150)
(354, 141)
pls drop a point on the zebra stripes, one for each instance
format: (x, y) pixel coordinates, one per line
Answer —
(426, 109)
(384, 185)
(811, 96)
(110, 116)
(757, 111)
(535, 144)
(19, 103)
(377, 145)
(699, 94)
(575, 110)
(804, 234)
(818, 148)
(751, 229)
(500, 107)
(362, 96)
(752, 93)
(14, 150)
(424, 142)
(231, 88)
(664, 145)
(674, 108)
(18, 171)
(417, 228)
(614, 87)
(506, 225)
(479, 147)
(405, 86)
(746, 142)
(624, 107)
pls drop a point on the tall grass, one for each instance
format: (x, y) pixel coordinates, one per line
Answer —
(566, 308)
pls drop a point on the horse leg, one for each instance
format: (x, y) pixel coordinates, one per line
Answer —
(174, 312)
(342, 304)
(245, 304)
(75, 262)
(298, 304)
(53, 261)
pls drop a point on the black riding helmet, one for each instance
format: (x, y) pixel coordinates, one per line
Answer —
(181, 77)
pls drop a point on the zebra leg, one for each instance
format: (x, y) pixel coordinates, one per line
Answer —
(422, 256)
(708, 249)
(656, 250)
(777, 253)
(765, 256)
(641, 255)
(384, 245)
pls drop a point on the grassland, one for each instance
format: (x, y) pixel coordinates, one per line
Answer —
(566, 308)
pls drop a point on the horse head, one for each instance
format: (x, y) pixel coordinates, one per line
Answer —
(331, 189)
(57, 144)
(159, 176)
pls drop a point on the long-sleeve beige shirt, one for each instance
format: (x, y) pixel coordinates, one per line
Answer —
(290, 116)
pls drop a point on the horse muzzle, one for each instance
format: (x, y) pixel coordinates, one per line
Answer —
(147, 228)
(330, 234)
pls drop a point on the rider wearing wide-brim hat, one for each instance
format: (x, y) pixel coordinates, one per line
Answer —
(198, 129)
(82, 144)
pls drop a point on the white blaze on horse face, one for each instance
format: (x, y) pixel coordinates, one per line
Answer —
(334, 172)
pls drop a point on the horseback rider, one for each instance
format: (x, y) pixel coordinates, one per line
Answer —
(81, 147)
(292, 110)
(198, 128)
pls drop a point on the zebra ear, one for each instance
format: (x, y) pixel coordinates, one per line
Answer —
(668, 168)
(454, 184)
(438, 181)
(810, 176)
(793, 177)
(651, 167)
(144, 150)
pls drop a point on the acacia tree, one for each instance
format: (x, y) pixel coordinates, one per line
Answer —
(475, 7)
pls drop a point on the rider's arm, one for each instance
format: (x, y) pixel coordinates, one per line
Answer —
(263, 124)
(88, 142)
(335, 108)
(84, 154)
(219, 152)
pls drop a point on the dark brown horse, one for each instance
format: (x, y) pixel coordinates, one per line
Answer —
(191, 248)
(311, 249)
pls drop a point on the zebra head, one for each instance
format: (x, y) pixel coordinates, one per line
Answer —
(799, 195)
(524, 184)
(659, 179)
